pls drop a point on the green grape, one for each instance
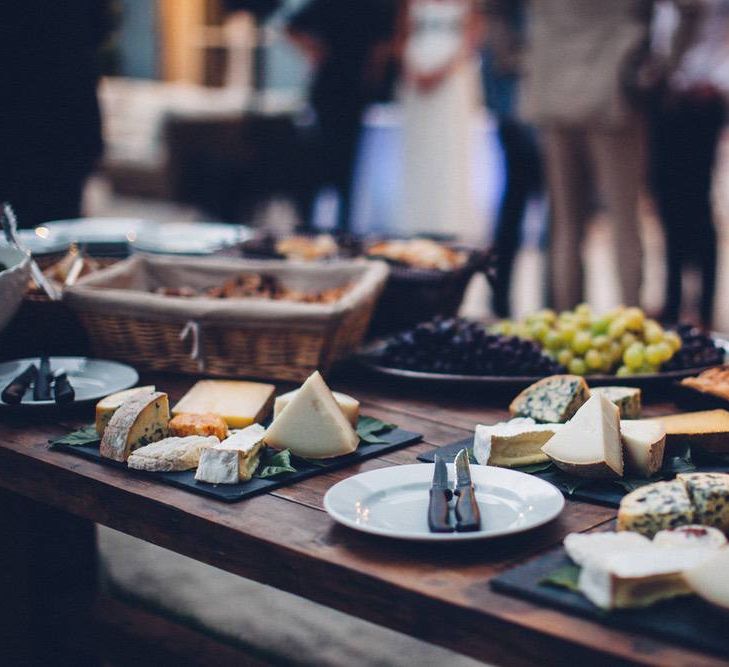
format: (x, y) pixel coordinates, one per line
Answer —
(577, 366)
(616, 351)
(568, 331)
(653, 354)
(547, 315)
(627, 339)
(601, 342)
(505, 327)
(583, 309)
(600, 326)
(623, 371)
(553, 340)
(607, 362)
(634, 356)
(593, 360)
(673, 339)
(647, 368)
(617, 327)
(634, 318)
(565, 356)
(581, 342)
(652, 332)
(666, 351)
(538, 330)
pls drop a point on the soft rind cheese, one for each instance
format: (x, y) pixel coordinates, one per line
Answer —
(107, 406)
(709, 493)
(689, 536)
(171, 454)
(554, 399)
(312, 425)
(239, 403)
(581, 547)
(233, 460)
(589, 444)
(628, 400)
(348, 405)
(139, 421)
(515, 443)
(656, 507)
(709, 579)
(644, 444)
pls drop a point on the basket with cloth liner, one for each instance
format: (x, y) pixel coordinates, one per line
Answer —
(252, 337)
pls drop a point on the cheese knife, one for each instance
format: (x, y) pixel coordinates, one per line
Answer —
(468, 516)
(440, 495)
(42, 386)
(14, 392)
(63, 391)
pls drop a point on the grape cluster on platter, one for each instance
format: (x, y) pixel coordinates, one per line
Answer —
(464, 347)
(622, 342)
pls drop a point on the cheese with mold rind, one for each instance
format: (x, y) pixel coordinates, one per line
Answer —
(171, 454)
(233, 460)
(656, 507)
(515, 443)
(552, 400)
(108, 405)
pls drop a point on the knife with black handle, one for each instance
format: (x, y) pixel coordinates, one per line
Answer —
(14, 392)
(63, 392)
(440, 495)
(42, 386)
(468, 516)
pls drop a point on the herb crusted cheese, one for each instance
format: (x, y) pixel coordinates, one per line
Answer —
(554, 399)
(656, 507)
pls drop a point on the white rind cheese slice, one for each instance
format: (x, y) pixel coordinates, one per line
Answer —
(552, 400)
(709, 493)
(312, 425)
(171, 454)
(656, 507)
(581, 547)
(709, 579)
(233, 460)
(348, 405)
(644, 444)
(106, 407)
(589, 444)
(689, 536)
(517, 442)
(626, 398)
(139, 421)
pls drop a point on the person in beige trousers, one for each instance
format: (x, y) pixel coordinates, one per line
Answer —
(577, 72)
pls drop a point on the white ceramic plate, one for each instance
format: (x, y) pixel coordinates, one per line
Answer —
(92, 379)
(393, 502)
(190, 238)
(95, 230)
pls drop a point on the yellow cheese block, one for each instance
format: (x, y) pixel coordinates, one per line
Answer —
(707, 429)
(239, 403)
(106, 407)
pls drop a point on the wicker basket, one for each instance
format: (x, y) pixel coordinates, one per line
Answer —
(255, 338)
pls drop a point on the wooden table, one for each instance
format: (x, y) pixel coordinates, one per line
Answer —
(51, 500)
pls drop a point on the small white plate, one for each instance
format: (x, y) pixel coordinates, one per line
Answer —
(393, 502)
(190, 238)
(91, 379)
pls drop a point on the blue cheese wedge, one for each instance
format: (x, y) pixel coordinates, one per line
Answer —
(553, 400)
(626, 398)
(709, 493)
(139, 421)
(656, 507)
(171, 454)
(233, 460)
(511, 444)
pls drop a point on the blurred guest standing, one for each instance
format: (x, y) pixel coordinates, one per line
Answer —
(440, 98)
(577, 90)
(687, 115)
(348, 43)
(501, 60)
(50, 127)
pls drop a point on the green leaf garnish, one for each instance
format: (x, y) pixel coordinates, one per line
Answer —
(84, 436)
(274, 464)
(368, 427)
(564, 577)
(535, 467)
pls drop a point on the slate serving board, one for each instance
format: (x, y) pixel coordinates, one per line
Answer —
(601, 492)
(395, 439)
(688, 621)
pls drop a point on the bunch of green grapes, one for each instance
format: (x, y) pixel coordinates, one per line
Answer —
(623, 341)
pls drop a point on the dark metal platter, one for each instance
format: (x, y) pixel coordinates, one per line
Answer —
(368, 357)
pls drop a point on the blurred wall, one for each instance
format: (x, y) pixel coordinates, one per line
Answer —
(137, 39)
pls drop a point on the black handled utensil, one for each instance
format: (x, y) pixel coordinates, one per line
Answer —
(14, 392)
(468, 516)
(63, 392)
(42, 386)
(440, 495)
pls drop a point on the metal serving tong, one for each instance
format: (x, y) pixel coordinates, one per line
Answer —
(9, 225)
(468, 516)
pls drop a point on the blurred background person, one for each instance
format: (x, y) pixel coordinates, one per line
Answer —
(50, 125)
(500, 69)
(577, 89)
(440, 99)
(348, 43)
(687, 114)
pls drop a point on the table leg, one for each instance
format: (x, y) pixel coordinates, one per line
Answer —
(48, 581)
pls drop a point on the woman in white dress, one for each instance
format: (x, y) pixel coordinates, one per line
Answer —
(440, 99)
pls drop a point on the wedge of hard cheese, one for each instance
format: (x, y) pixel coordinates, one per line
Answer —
(348, 405)
(517, 442)
(171, 454)
(644, 443)
(312, 425)
(589, 444)
(106, 407)
(139, 421)
(707, 429)
(240, 404)
(233, 460)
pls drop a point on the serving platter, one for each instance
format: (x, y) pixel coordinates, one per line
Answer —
(393, 502)
(369, 358)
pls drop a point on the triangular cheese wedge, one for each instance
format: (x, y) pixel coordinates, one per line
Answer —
(644, 442)
(589, 445)
(348, 405)
(312, 425)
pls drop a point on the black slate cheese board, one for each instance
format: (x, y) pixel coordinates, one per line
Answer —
(688, 621)
(394, 439)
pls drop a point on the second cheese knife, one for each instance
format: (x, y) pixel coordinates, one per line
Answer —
(440, 495)
(468, 516)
